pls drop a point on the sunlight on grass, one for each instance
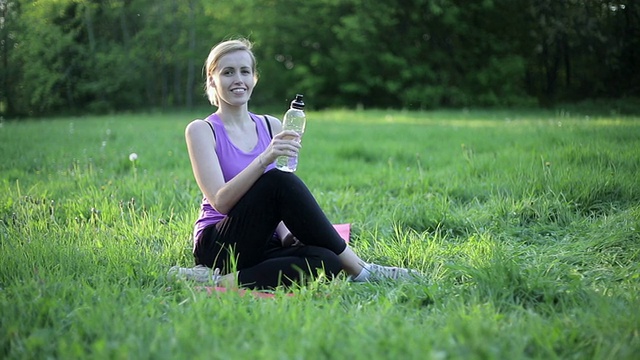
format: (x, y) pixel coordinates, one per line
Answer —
(525, 224)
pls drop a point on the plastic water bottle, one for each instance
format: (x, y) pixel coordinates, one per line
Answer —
(294, 119)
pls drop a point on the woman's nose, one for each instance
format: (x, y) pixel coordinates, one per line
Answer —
(237, 77)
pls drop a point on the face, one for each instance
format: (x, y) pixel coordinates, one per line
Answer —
(234, 78)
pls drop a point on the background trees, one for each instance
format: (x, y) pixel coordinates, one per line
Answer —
(60, 56)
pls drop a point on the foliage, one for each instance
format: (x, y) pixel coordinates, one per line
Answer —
(525, 224)
(77, 55)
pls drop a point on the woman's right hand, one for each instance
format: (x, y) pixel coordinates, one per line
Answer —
(286, 143)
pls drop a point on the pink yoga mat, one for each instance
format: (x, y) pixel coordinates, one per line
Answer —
(343, 229)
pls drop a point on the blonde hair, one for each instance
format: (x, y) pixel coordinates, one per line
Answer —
(218, 52)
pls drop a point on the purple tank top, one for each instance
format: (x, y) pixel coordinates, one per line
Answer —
(232, 161)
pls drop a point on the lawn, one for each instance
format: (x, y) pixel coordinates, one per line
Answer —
(526, 225)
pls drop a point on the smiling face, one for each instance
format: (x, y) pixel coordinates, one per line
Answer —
(233, 78)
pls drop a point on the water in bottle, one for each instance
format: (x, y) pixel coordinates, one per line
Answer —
(294, 119)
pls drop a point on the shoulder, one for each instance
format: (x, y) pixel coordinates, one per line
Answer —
(197, 128)
(274, 122)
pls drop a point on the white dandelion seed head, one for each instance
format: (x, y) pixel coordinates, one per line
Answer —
(133, 157)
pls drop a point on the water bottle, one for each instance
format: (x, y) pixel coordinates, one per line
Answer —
(294, 119)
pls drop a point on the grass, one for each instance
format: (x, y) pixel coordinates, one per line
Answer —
(527, 225)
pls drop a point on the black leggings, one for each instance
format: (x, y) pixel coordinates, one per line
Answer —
(245, 240)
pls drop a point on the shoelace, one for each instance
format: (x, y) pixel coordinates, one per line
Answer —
(390, 272)
(216, 276)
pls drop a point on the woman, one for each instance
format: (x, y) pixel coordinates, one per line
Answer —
(258, 227)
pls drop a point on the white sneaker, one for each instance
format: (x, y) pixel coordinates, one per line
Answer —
(198, 273)
(375, 272)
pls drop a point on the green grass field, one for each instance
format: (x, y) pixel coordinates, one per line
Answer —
(527, 225)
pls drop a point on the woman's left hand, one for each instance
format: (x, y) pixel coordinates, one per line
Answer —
(290, 241)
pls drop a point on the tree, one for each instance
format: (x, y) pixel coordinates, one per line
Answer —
(8, 75)
(582, 49)
(47, 57)
(62, 56)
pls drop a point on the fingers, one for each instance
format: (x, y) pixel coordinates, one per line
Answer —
(287, 135)
(286, 143)
(286, 149)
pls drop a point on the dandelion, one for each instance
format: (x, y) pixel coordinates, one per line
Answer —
(133, 157)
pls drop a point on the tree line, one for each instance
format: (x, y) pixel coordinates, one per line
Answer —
(76, 56)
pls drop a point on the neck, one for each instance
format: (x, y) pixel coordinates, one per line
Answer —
(233, 115)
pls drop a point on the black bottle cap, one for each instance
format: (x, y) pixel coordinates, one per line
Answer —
(298, 103)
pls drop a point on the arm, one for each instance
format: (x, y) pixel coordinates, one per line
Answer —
(208, 173)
